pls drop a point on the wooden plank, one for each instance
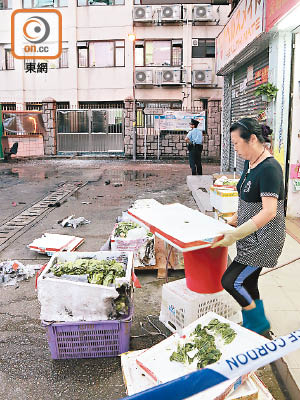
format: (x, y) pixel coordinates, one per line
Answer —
(161, 253)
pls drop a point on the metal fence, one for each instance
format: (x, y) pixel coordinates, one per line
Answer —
(89, 129)
(150, 131)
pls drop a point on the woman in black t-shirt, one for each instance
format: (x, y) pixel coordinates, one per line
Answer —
(260, 220)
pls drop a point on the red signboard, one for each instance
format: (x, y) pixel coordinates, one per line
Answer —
(261, 76)
(276, 9)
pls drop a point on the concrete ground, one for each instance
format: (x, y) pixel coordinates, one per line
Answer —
(26, 369)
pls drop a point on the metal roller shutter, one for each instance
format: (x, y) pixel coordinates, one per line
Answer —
(243, 101)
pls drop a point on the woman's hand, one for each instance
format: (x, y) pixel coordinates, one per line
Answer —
(239, 233)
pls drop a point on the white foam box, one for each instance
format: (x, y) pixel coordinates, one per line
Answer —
(252, 389)
(181, 306)
(64, 300)
(156, 365)
(136, 381)
(247, 391)
(226, 200)
(213, 196)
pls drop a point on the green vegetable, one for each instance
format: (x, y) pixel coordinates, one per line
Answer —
(204, 343)
(123, 228)
(100, 272)
(223, 329)
(108, 279)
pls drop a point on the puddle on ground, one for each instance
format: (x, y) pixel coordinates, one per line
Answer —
(35, 173)
(129, 175)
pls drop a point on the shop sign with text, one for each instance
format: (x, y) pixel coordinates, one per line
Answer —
(244, 26)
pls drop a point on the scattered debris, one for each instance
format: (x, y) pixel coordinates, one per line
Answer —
(12, 272)
(107, 182)
(50, 243)
(56, 204)
(73, 222)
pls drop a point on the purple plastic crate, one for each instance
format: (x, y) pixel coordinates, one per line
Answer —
(89, 339)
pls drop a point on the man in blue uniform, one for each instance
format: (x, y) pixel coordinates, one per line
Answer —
(194, 139)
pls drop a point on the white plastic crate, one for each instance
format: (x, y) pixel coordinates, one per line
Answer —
(180, 306)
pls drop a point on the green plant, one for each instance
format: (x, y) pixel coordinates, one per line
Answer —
(267, 89)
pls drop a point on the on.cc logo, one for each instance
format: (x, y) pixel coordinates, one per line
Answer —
(39, 30)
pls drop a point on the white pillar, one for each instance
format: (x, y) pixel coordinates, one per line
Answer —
(280, 75)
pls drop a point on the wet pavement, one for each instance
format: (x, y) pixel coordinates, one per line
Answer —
(26, 369)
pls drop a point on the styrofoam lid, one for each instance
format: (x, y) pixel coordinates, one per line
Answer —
(176, 221)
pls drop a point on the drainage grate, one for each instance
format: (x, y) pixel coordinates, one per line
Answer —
(16, 226)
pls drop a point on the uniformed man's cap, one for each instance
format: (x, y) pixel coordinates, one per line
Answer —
(194, 122)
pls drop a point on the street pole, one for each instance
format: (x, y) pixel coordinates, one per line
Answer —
(134, 107)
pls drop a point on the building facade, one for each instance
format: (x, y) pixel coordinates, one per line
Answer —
(170, 65)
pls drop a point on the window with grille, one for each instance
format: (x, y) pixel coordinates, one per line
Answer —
(203, 48)
(32, 106)
(8, 106)
(44, 3)
(61, 62)
(154, 53)
(5, 4)
(100, 3)
(62, 105)
(7, 62)
(100, 104)
(63, 59)
(101, 54)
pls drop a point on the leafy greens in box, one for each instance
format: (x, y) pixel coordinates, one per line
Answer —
(100, 272)
(200, 347)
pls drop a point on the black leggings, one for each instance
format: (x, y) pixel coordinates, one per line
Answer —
(241, 281)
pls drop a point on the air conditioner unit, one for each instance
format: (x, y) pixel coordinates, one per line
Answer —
(201, 77)
(171, 13)
(144, 77)
(202, 13)
(142, 13)
(170, 76)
